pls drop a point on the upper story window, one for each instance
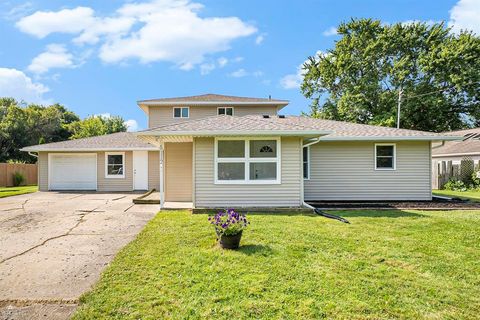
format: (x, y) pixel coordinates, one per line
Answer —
(181, 112)
(385, 156)
(114, 165)
(225, 110)
(247, 161)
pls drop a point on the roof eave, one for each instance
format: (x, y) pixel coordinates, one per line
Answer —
(35, 149)
(212, 103)
(392, 138)
(293, 133)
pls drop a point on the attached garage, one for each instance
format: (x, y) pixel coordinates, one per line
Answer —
(75, 171)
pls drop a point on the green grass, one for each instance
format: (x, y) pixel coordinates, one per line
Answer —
(384, 265)
(469, 195)
(13, 191)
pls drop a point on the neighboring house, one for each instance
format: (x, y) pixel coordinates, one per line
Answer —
(215, 151)
(456, 151)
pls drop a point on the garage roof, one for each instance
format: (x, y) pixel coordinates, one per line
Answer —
(115, 141)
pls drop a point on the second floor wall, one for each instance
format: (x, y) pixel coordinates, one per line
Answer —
(163, 115)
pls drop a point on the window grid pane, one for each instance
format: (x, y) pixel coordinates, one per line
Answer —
(184, 112)
(231, 171)
(231, 149)
(385, 157)
(263, 148)
(263, 170)
(177, 112)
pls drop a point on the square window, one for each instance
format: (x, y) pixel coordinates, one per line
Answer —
(263, 171)
(231, 171)
(231, 149)
(115, 165)
(225, 111)
(181, 112)
(385, 157)
(263, 148)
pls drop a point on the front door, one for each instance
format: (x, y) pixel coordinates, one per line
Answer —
(178, 171)
(140, 170)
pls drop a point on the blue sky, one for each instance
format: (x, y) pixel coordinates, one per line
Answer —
(100, 57)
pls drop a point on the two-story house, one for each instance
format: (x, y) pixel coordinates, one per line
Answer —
(216, 151)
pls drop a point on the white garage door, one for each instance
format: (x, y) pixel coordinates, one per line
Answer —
(72, 171)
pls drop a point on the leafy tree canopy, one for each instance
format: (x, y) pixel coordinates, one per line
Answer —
(359, 79)
(23, 125)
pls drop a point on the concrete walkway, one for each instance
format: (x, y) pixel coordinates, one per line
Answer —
(53, 247)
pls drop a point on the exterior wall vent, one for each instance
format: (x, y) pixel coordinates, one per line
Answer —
(266, 116)
(281, 116)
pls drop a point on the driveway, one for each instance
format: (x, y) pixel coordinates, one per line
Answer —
(53, 247)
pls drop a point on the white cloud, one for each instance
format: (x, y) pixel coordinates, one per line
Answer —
(16, 12)
(55, 56)
(294, 80)
(14, 83)
(42, 23)
(428, 22)
(206, 68)
(158, 30)
(240, 73)
(465, 15)
(332, 31)
(259, 39)
(222, 62)
(132, 125)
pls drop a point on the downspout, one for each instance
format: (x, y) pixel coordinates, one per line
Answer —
(33, 155)
(441, 145)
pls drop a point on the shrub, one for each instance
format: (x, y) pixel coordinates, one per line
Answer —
(229, 222)
(18, 178)
(455, 185)
(476, 179)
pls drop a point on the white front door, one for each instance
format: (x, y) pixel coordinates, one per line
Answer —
(140, 170)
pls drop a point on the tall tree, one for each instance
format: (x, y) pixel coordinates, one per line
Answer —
(96, 126)
(359, 80)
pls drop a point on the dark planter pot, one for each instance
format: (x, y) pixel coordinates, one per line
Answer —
(230, 242)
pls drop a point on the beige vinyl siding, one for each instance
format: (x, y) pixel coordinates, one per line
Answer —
(162, 115)
(115, 184)
(43, 171)
(103, 184)
(153, 170)
(178, 171)
(345, 171)
(286, 194)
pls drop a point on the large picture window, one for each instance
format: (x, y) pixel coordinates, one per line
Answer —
(240, 161)
(385, 156)
(115, 165)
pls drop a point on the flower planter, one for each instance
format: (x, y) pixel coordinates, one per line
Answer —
(230, 242)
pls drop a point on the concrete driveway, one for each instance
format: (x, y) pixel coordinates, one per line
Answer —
(53, 247)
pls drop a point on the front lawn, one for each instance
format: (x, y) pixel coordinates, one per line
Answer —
(13, 191)
(385, 264)
(469, 195)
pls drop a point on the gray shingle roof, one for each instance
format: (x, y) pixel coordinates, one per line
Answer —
(114, 141)
(470, 144)
(210, 97)
(253, 124)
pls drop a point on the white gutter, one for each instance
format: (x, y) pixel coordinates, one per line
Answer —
(393, 138)
(455, 154)
(294, 133)
(316, 140)
(440, 145)
(29, 149)
(212, 103)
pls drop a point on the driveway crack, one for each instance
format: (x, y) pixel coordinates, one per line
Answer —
(82, 219)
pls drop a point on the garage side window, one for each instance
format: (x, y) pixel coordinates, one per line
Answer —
(385, 156)
(115, 165)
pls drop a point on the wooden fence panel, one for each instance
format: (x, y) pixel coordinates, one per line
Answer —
(28, 170)
(443, 171)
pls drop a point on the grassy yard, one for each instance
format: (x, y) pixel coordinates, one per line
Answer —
(13, 191)
(385, 264)
(470, 195)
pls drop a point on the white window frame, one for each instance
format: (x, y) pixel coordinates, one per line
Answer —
(308, 163)
(247, 160)
(181, 113)
(115, 176)
(394, 145)
(218, 110)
